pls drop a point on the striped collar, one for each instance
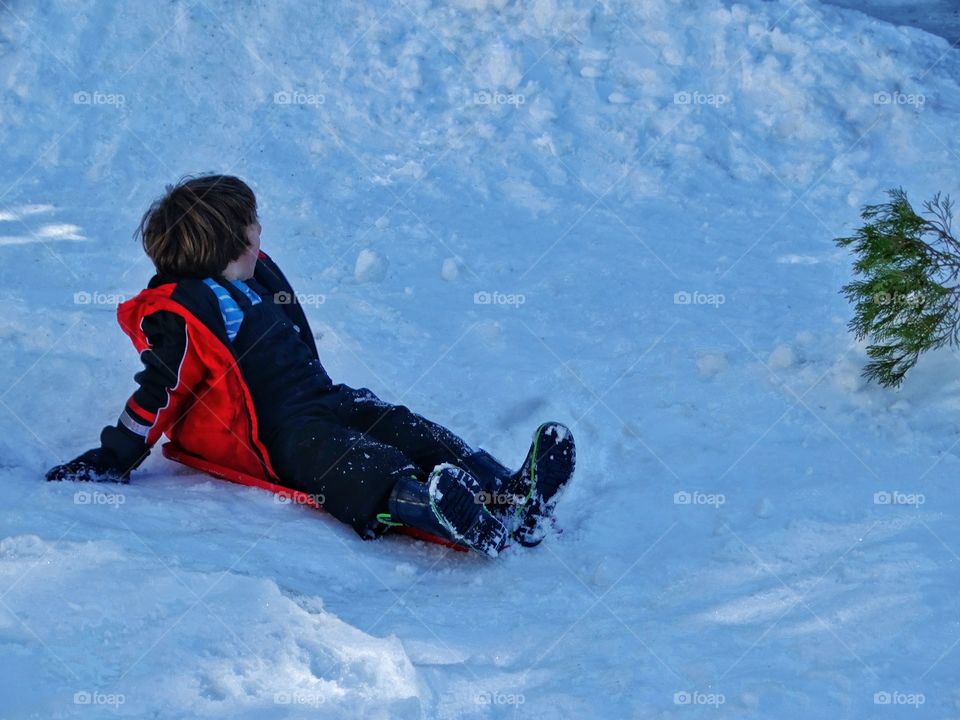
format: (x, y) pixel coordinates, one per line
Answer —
(229, 309)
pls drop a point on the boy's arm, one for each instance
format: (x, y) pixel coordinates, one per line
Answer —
(145, 416)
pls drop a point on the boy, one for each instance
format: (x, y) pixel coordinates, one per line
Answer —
(232, 376)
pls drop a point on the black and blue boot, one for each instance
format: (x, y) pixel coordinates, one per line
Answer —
(524, 500)
(448, 505)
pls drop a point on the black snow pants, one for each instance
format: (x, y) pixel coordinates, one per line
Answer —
(352, 458)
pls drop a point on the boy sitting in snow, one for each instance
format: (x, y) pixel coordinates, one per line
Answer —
(232, 376)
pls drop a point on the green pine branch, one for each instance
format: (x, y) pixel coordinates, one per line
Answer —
(905, 294)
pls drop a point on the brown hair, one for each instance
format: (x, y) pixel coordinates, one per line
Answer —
(199, 226)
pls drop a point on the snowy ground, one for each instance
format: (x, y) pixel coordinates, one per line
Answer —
(647, 193)
(941, 17)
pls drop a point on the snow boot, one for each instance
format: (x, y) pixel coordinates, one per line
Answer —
(524, 500)
(449, 504)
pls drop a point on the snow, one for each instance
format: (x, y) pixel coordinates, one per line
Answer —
(450, 270)
(596, 160)
(781, 358)
(941, 17)
(370, 266)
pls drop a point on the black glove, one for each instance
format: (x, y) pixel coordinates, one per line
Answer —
(97, 465)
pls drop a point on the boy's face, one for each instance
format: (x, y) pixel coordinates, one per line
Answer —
(242, 268)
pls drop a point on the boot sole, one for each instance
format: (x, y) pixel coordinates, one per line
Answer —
(533, 535)
(495, 528)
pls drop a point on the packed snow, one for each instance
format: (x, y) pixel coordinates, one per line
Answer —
(616, 215)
